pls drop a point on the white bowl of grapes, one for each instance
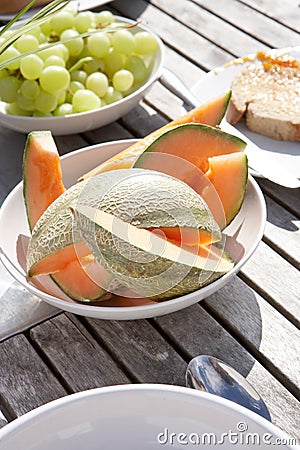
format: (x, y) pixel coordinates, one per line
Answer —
(76, 71)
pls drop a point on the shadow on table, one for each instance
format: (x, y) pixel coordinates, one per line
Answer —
(202, 329)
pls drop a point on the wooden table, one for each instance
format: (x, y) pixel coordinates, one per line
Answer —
(252, 323)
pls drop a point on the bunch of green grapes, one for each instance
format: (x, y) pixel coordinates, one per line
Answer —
(78, 73)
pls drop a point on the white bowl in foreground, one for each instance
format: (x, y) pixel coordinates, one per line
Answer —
(242, 237)
(86, 121)
(141, 417)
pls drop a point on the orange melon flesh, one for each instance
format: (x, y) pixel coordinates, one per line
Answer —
(41, 174)
(184, 236)
(59, 260)
(210, 113)
(194, 143)
(76, 280)
(228, 174)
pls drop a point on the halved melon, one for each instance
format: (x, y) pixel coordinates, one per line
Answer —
(202, 157)
(210, 113)
(42, 184)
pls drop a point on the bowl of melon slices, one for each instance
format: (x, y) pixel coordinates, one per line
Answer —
(134, 228)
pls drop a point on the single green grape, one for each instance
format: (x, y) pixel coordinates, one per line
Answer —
(54, 78)
(104, 18)
(25, 103)
(73, 41)
(79, 75)
(54, 60)
(15, 110)
(45, 102)
(112, 95)
(137, 67)
(123, 41)
(61, 96)
(9, 53)
(96, 65)
(9, 87)
(75, 86)
(83, 21)
(31, 66)
(85, 100)
(98, 83)
(113, 61)
(63, 110)
(98, 44)
(30, 89)
(122, 80)
(62, 21)
(145, 43)
(27, 43)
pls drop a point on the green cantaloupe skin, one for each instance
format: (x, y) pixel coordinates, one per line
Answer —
(110, 190)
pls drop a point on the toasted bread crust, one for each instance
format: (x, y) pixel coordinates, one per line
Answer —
(269, 99)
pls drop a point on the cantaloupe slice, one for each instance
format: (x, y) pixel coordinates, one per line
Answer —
(228, 174)
(42, 176)
(200, 156)
(42, 184)
(210, 113)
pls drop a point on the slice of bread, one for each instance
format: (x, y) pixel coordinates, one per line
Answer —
(268, 96)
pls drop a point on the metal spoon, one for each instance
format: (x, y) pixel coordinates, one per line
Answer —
(210, 374)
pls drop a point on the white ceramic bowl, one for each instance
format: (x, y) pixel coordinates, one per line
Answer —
(141, 417)
(243, 235)
(81, 122)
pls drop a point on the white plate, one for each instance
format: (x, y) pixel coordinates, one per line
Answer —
(82, 5)
(141, 417)
(218, 81)
(86, 121)
(243, 235)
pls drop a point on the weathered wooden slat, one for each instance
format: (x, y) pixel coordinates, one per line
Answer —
(278, 281)
(263, 330)
(11, 157)
(68, 143)
(3, 420)
(25, 380)
(111, 132)
(179, 37)
(75, 355)
(195, 332)
(287, 13)
(143, 120)
(289, 198)
(282, 232)
(148, 358)
(252, 22)
(210, 26)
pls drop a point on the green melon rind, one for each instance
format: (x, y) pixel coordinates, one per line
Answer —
(157, 278)
(196, 127)
(57, 221)
(227, 98)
